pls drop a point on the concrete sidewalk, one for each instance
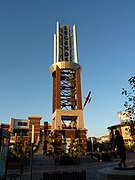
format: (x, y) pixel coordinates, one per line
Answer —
(42, 164)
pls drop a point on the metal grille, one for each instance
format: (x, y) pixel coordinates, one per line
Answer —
(68, 89)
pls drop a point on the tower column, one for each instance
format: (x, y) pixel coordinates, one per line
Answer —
(57, 84)
(78, 89)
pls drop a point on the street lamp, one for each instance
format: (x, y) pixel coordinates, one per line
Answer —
(31, 154)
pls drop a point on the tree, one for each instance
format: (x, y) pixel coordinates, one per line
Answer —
(130, 104)
(22, 148)
(75, 148)
(56, 142)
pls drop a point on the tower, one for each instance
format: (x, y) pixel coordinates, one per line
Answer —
(67, 113)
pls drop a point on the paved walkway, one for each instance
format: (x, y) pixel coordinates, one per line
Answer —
(42, 164)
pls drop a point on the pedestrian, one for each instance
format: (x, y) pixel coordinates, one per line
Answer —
(121, 150)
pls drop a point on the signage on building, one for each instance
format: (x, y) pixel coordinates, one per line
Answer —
(125, 115)
(125, 132)
(19, 124)
(22, 123)
(64, 43)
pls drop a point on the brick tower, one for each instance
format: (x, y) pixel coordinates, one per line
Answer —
(67, 113)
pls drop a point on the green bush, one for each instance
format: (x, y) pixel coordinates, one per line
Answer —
(130, 146)
(75, 148)
(22, 148)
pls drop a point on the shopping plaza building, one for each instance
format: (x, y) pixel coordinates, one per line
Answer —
(22, 129)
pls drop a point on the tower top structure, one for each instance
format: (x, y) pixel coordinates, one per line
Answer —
(65, 48)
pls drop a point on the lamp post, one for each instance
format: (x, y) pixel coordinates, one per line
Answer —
(31, 154)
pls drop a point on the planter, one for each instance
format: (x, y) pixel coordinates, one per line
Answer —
(14, 165)
(66, 159)
(106, 157)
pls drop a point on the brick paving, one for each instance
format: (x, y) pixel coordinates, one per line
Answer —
(41, 164)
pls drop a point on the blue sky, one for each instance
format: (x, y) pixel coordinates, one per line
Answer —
(106, 49)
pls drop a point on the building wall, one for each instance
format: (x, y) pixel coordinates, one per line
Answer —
(123, 128)
(34, 120)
